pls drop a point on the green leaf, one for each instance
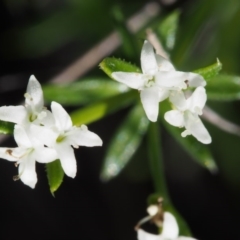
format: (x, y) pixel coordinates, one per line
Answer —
(199, 152)
(124, 143)
(55, 175)
(110, 65)
(102, 108)
(168, 28)
(224, 88)
(210, 71)
(6, 127)
(83, 92)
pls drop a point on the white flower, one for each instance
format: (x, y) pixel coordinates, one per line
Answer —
(170, 230)
(62, 135)
(26, 154)
(187, 114)
(33, 112)
(158, 77)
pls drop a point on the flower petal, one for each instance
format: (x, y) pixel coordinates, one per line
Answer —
(173, 80)
(178, 99)
(62, 119)
(83, 137)
(197, 99)
(21, 137)
(170, 227)
(186, 238)
(15, 114)
(27, 171)
(175, 118)
(195, 80)
(45, 155)
(164, 64)
(142, 235)
(194, 125)
(148, 59)
(150, 101)
(44, 135)
(34, 89)
(132, 80)
(67, 158)
(6, 153)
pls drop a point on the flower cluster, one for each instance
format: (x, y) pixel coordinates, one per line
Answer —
(164, 220)
(43, 136)
(158, 81)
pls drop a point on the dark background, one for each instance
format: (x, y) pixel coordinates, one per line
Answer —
(43, 38)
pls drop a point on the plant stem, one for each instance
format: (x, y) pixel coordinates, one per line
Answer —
(156, 161)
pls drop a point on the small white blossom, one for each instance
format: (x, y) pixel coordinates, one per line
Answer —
(32, 112)
(26, 154)
(158, 77)
(62, 135)
(187, 114)
(170, 230)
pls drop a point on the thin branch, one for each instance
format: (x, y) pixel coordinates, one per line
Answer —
(106, 46)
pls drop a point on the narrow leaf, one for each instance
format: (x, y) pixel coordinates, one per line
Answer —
(224, 88)
(55, 175)
(102, 108)
(6, 127)
(167, 29)
(125, 143)
(110, 65)
(199, 152)
(210, 71)
(83, 92)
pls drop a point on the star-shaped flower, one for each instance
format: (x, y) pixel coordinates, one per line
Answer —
(158, 77)
(32, 112)
(187, 114)
(62, 135)
(26, 154)
(170, 230)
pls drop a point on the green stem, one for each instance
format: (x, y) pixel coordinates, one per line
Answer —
(156, 161)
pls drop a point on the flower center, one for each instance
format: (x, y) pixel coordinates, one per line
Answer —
(60, 138)
(150, 81)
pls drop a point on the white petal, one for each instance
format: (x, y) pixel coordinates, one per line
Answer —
(175, 118)
(21, 137)
(62, 119)
(44, 135)
(163, 93)
(83, 137)
(45, 155)
(164, 64)
(34, 89)
(48, 120)
(197, 99)
(195, 80)
(178, 99)
(67, 158)
(27, 171)
(142, 235)
(172, 80)
(150, 101)
(170, 227)
(6, 153)
(186, 238)
(132, 80)
(148, 59)
(194, 125)
(15, 114)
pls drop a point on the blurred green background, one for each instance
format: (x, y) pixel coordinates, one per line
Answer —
(44, 37)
